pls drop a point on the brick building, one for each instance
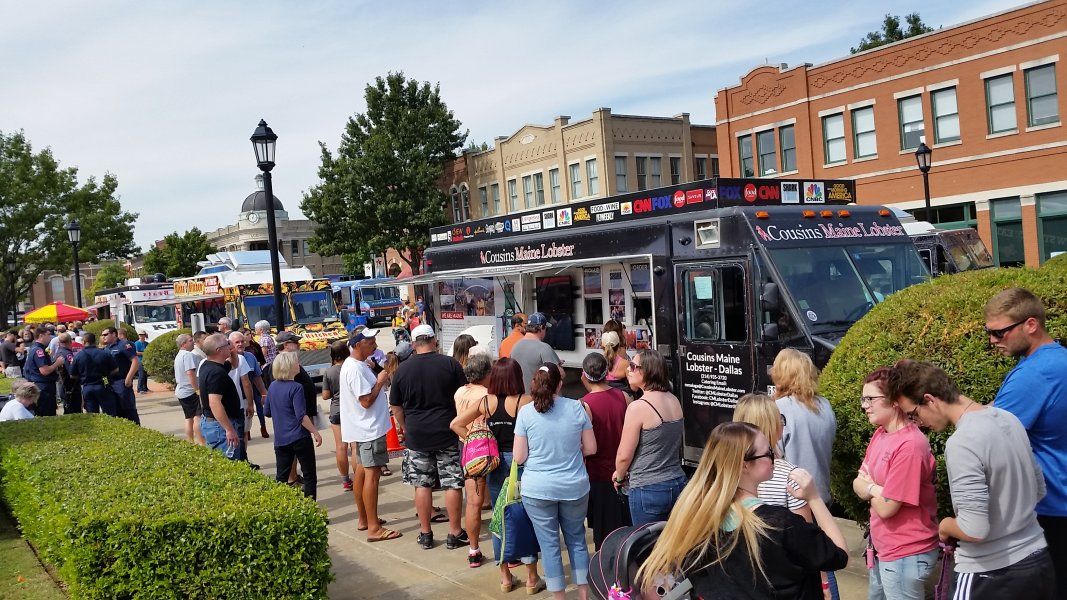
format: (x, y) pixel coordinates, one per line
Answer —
(986, 96)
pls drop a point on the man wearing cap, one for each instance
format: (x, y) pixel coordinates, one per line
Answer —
(517, 322)
(40, 370)
(142, 375)
(422, 396)
(364, 425)
(531, 351)
(91, 366)
(287, 341)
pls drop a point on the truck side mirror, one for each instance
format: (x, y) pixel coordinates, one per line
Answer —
(769, 332)
(770, 297)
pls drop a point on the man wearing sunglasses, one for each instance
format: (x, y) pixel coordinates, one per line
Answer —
(1035, 391)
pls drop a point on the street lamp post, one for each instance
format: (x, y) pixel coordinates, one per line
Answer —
(263, 141)
(74, 233)
(924, 157)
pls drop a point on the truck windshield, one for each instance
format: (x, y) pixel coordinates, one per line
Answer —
(834, 286)
(151, 314)
(375, 294)
(968, 251)
(314, 307)
(261, 308)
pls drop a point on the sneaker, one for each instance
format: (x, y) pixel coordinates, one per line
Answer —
(347, 485)
(474, 559)
(457, 541)
(426, 540)
(253, 466)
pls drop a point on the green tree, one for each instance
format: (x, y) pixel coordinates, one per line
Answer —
(892, 32)
(179, 253)
(109, 276)
(379, 190)
(473, 147)
(38, 198)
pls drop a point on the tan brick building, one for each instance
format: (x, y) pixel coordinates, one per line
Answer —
(986, 96)
(603, 155)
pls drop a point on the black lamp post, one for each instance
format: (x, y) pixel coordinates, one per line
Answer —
(263, 141)
(74, 233)
(924, 157)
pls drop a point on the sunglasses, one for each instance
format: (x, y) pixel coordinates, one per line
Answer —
(998, 334)
(633, 367)
(868, 400)
(769, 454)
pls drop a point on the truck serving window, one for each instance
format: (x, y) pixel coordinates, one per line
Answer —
(150, 314)
(715, 304)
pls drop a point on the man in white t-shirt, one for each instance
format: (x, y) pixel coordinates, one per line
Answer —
(364, 424)
(186, 387)
(22, 405)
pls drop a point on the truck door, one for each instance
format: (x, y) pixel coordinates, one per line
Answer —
(715, 345)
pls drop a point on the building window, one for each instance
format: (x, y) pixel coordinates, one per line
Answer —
(787, 142)
(294, 245)
(912, 127)
(553, 182)
(714, 167)
(513, 194)
(495, 189)
(1041, 100)
(539, 188)
(744, 154)
(576, 180)
(1000, 103)
(620, 174)
(457, 209)
(306, 250)
(642, 173)
(483, 194)
(592, 179)
(527, 191)
(701, 168)
(1008, 249)
(946, 115)
(768, 162)
(864, 141)
(465, 201)
(655, 164)
(952, 216)
(676, 170)
(1052, 223)
(833, 136)
(59, 292)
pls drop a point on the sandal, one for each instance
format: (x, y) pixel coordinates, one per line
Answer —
(439, 517)
(507, 587)
(386, 471)
(380, 522)
(386, 534)
(533, 590)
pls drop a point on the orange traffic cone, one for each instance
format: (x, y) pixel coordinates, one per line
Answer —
(392, 440)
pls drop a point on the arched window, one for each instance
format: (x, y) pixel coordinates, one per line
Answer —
(465, 201)
(457, 206)
(59, 291)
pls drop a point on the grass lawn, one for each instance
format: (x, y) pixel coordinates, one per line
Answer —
(21, 575)
(5, 385)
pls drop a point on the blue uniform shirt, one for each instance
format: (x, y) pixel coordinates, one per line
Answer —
(36, 357)
(123, 352)
(1035, 391)
(92, 365)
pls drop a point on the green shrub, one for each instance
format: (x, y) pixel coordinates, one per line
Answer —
(940, 322)
(121, 512)
(97, 326)
(159, 356)
(1056, 262)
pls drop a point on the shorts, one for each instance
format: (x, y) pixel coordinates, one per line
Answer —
(372, 453)
(191, 406)
(335, 411)
(335, 420)
(435, 469)
(1032, 577)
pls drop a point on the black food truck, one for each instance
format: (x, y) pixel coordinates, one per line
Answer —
(717, 275)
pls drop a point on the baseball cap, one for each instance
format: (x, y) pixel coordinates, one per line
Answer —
(423, 330)
(538, 319)
(287, 336)
(363, 334)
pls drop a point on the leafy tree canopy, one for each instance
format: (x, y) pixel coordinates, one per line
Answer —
(379, 190)
(179, 253)
(109, 276)
(38, 198)
(892, 32)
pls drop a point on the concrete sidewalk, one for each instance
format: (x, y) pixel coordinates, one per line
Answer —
(399, 569)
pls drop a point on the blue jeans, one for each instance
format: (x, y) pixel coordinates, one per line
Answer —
(495, 483)
(259, 410)
(901, 579)
(142, 378)
(549, 517)
(651, 503)
(215, 436)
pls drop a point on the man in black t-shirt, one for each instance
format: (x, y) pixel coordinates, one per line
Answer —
(221, 403)
(9, 356)
(422, 397)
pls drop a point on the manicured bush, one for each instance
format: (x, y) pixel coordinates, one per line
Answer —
(1056, 262)
(97, 326)
(940, 322)
(122, 512)
(159, 356)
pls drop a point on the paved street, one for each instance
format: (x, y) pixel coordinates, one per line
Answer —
(399, 569)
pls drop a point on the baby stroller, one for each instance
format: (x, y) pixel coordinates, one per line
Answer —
(400, 334)
(613, 568)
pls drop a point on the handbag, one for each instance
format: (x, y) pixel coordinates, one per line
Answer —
(481, 454)
(517, 537)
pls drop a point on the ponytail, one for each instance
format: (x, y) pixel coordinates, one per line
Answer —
(543, 387)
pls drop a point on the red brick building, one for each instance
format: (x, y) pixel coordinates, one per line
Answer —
(987, 96)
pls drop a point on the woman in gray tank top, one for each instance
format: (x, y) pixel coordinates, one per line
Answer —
(650, 449)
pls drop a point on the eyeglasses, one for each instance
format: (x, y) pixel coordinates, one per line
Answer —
(632, 366)
(868, 400)
(769, 454)
(998, 334)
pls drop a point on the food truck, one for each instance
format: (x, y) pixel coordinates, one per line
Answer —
(136, 304)
(717, 275)
(946, 251)
(372, 302)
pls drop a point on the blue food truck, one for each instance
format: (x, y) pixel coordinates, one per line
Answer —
(371, 302)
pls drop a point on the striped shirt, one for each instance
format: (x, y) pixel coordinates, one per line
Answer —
(773, 491)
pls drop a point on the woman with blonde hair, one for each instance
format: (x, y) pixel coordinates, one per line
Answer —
(809, 422)
(615, 353)
(729, 542)
(294, 433)
(761, 411)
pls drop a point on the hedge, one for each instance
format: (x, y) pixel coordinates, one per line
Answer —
(97, 326)
(125, 512)
(941, 322)
(159, 356)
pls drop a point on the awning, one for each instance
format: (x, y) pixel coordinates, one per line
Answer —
(489, 271)
(96, 306)
(181, 300)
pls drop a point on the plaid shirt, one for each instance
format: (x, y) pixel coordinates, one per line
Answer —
(270, 349)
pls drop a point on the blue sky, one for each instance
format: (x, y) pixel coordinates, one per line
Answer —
(165, 95)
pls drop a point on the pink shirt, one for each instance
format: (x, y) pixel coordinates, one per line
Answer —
(902, 464)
